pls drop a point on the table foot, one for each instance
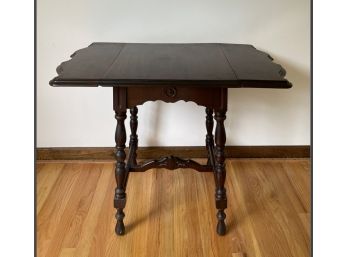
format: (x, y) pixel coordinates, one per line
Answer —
(120, 229)
(221, 226)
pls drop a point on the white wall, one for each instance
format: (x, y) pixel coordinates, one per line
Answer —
(84, 116)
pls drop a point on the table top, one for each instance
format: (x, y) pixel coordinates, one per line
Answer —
(198, 64)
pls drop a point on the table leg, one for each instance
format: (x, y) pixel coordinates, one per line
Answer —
(209, 124)
(120, 170)
(220, 172)
(133, 141)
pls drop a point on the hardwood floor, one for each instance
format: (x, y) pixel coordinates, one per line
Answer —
(172, 213)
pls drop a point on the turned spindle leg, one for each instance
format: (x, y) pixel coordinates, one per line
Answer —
(120, 171)
(220, 172)
(209, 140)
(133, 141)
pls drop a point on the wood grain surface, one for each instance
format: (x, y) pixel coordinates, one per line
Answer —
(172, 213)
(195, 64)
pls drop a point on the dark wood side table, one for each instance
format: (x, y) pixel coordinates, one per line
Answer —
(201, 73)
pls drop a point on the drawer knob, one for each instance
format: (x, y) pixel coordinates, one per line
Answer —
(170, 91)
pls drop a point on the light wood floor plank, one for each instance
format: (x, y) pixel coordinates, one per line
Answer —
(299, 175)
(50, 215)
(104, 234)
(67, 252)
(139, 199)
(306, 222)
(172, 213)
(241, 222)
(91, 220)
(69, 231)
(47, 176)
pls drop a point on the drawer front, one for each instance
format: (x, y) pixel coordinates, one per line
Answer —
(209, 97)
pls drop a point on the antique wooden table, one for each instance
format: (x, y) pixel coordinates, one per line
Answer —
(201, 73)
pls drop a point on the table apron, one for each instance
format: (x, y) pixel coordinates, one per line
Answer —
(129, 97)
